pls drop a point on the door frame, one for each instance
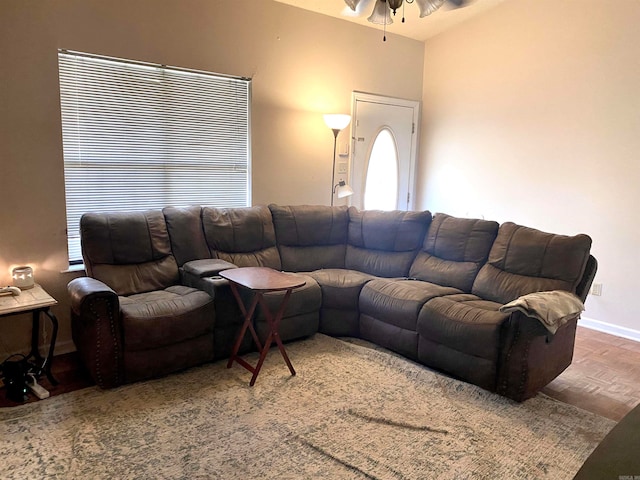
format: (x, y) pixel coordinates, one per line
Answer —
(357, 96)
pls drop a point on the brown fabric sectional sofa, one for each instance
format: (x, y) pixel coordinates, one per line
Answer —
(427, 287)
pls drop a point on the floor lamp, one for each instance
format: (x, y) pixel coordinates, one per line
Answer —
(337, 122)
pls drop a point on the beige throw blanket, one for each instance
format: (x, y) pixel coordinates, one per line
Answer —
(553, 309)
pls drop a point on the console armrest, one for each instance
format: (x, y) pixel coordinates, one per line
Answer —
(209, 267)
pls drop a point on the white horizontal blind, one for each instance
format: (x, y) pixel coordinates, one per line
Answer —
(139, 136)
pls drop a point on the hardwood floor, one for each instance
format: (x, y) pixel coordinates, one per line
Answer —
(66, 369)
(604, 377)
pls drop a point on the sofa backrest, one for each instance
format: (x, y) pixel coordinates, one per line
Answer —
(384, 243)
(310, 237)
(130, 252)
(525, 260)
(186, 234)
(453, 251)
(242, 236)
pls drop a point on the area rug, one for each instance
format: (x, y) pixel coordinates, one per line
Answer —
(351, 412)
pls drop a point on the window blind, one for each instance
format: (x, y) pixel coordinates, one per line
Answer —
(138, 136)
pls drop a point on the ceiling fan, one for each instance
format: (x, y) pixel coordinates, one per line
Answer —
(383, 9)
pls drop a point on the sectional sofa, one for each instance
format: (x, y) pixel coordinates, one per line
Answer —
(427, 287)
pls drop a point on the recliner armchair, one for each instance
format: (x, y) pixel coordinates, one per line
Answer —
(131, 318)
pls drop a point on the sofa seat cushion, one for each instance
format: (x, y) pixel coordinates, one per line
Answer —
(302, 313)
(465, 323)
(306, 299)
(398, 302)
(165, 317)
(340, 287)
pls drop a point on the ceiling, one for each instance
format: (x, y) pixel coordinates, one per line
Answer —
(414, 26)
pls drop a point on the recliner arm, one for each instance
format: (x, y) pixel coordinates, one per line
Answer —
(532, 356)
(86, 289)
(95, 317)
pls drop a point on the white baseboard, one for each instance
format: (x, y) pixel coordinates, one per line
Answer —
(609, 328)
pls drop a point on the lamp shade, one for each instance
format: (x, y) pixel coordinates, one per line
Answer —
(23, 277)
(336, 121)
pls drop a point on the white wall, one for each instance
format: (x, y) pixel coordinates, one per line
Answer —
(532, 114)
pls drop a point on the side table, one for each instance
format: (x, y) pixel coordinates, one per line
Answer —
(37, 301)
(261, 280)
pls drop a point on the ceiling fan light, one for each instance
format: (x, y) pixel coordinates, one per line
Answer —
(427, 7)
(381, 14)
(352, 4)
(394, 5)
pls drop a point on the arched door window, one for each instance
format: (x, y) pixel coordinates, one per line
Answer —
(381, 183)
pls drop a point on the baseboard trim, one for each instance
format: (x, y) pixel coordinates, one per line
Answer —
(609, 328)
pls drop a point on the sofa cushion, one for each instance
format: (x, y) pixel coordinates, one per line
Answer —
(185, 231)
(341, 288)
(302, 313)
(461, 335)
(465, 323)
(310, 237)
(340, 315)
(129, 251)
(242, 236)
(384, 243)
(454, 250)
(525, 260)
(165, 317)
(398, 302)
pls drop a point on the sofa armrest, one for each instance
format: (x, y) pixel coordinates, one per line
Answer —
(209, 267)
(96, 329)
(531, 356)
(85, 289)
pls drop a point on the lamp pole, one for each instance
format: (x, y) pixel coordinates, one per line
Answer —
(336, 131)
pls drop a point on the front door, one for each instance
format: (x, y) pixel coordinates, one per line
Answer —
(384, 152)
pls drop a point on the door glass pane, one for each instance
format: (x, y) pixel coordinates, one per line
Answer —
(381, 184)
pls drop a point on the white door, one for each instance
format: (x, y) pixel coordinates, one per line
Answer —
(384, 144)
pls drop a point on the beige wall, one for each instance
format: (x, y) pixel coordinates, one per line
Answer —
(532, 114)
(302, 64)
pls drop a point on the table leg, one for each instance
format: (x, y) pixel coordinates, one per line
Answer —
(248, 315)
(273, 335)
(43, 364)
(52, 344)
(274, 325)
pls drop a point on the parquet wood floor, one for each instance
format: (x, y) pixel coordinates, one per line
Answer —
(604, 377)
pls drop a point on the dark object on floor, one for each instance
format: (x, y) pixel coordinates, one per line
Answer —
(14, 375)
(617, 455)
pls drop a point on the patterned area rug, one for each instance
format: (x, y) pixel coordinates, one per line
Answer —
(352, 412)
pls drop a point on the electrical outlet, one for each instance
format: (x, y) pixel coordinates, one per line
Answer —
(342, 167)
(596, 289)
